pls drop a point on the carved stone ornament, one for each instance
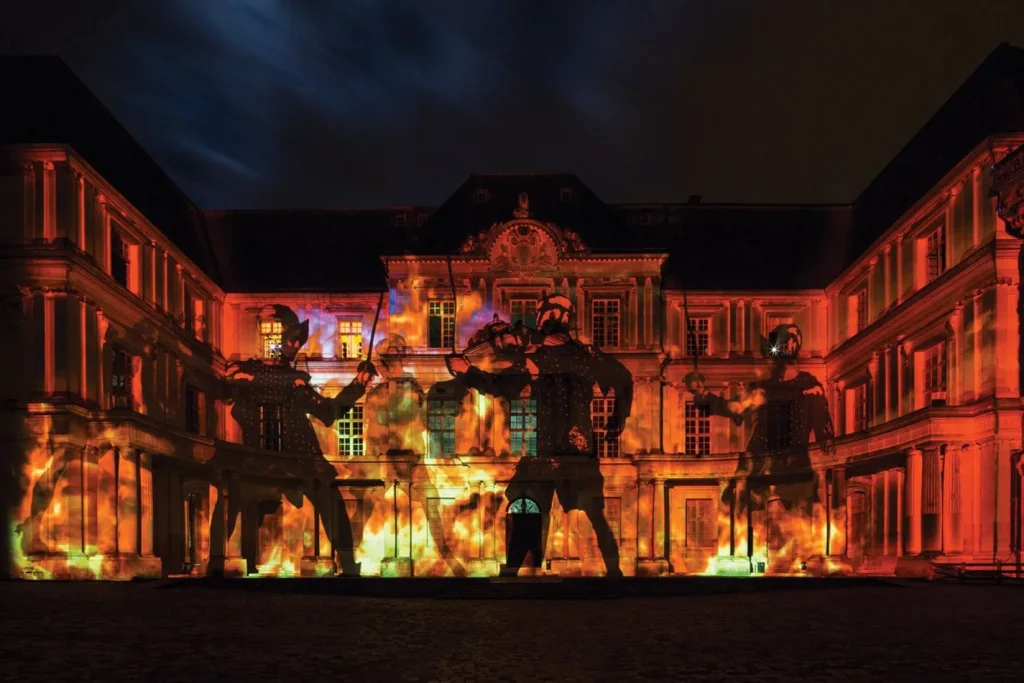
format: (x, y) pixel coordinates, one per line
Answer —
(523, 248)
(1008, 188)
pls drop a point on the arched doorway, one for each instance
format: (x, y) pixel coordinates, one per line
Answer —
(523, 532)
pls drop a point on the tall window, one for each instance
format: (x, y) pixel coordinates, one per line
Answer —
(698, 336)
(119, 260)
(779, 415)
(524, 310)
(862, 309)
(935, 253)
(698, 428)
(350, 432)
(701, 523)
(189, 316)
(604, 322)
(523, 426)
(270, 336)
(613, 514)
(442, 323)
(350, 338)
(860, 408)
(193, 410)
(935, 368)
(120, 380)
(441, 427)
(272, 426)
(601, 410)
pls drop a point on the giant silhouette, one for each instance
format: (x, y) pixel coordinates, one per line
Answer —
(560, 374)
(786, 409)
(272, 402)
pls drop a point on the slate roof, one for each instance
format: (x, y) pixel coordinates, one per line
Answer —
(990, 101)
(766, 246)
(308, 251)
(46, 103)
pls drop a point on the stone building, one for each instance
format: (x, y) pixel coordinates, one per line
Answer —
(889, 443)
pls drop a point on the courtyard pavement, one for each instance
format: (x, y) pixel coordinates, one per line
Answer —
(870, 632)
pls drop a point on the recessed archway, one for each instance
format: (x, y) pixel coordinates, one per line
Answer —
(523, 531)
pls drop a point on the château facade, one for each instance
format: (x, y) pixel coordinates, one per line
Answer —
(127, 309)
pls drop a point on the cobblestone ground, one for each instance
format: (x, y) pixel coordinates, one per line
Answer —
(118, 632)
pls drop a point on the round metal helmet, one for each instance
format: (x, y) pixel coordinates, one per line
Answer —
(784, 342)
(557, 310)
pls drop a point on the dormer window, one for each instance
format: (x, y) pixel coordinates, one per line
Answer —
(566, 195)
(483, 196)
(421, 219)
(400, 219)
(645, 218)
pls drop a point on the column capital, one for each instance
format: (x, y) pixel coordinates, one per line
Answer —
(887, 248)
(873, 262)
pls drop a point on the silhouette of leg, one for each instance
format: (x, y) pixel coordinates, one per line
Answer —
(340, 532)
(605, 540)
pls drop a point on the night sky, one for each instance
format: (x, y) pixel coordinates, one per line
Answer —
(295, 103)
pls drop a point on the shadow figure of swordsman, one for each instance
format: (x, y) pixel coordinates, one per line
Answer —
(272, 401)
(559, 373)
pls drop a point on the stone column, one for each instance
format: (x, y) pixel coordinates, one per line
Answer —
(977, 197)
(954, 378)
(632, 317)
(914, 498)
(887, 384)
(645, 519)
(872, 308)
(900, 474)
(977, 377)
(728, 329)
(648, 335)
(659, 511)
(1007, 340)
(726, 532)
(873, 388)
(741, 326)
(887, 256)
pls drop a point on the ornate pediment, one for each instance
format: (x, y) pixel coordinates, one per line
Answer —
(524, 243)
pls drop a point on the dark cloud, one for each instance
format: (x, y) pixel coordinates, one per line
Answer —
(275, 103)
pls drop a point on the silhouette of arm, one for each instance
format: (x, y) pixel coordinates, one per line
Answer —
(507, 383)
(611, 375)
(328, 410)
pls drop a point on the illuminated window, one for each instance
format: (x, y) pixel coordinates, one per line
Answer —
(525, 311)
(698, 336)
(779, 417)
(698, 428)
(601, 410)
(604, 322)
(523, 426)
(862, 310)
(270, 336)
(935, 254)
(701, 523)
(441, 427)
(935, 368)
(442, 323)
(193, 410)
(120, 263)
(350, 432)
(272, 426)
(350, 338)
(121, 380)
(860, 408)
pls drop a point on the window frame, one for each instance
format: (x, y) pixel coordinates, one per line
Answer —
(351, 443)
(605, 408)
(706, 524)
(194, 411)
(698, 335)
(447, 413)
(524, 408)
(700, 419)
(123, 396)
(269, 329)
(594, 316)
(350, 321)
(446, 323)
(935, 367)
(277, 436)
(526, 317)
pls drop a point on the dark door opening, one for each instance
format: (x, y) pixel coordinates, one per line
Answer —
(523, 533)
